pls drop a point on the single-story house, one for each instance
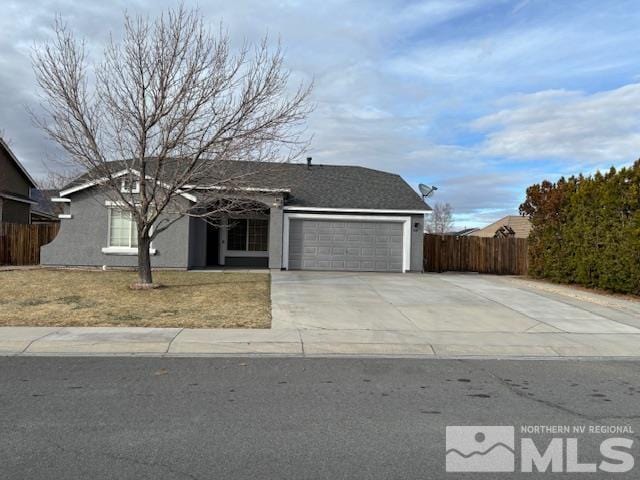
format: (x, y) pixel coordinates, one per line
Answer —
(515, 226)
(312, 217)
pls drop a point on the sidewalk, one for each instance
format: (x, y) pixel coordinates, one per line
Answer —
(300, 342)
(343, 314)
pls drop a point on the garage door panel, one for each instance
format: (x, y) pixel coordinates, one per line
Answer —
(345, 245)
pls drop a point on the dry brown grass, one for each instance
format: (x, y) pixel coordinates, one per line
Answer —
(95, 298)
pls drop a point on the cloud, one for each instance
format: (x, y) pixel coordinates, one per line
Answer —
(479, 97)
(345, 53)
(585, 130)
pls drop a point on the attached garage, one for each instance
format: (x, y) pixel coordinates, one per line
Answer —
(341, 243)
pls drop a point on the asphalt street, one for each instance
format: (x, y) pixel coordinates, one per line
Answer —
(294, 418)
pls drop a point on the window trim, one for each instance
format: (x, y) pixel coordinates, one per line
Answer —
(246, 252)
(224, 253)
(135, 189)
(113, 250)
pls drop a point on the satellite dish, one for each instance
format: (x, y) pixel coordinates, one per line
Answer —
(426, 191)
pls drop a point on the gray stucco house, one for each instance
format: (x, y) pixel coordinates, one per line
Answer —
(315, 217)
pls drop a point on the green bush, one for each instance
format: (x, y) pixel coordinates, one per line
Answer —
(586, 230)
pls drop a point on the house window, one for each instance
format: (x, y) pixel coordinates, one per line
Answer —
(129, 186)
(122, 229)
(258, 235)
(248, 235)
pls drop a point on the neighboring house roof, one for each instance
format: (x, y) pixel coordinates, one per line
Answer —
(15, 160)
(317, 186)
(519, 225)
(465, 232)
(45, 207)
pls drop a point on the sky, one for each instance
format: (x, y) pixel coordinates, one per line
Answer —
(481, 98)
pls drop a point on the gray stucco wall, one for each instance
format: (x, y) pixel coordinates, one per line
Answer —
(417, 241)
(82, 237)
(183, 245)
(276, 219)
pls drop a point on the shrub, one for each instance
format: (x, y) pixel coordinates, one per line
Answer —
(586, 230)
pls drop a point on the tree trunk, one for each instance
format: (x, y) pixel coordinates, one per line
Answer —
(144, 261)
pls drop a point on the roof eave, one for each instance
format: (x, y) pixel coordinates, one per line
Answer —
(356, 210)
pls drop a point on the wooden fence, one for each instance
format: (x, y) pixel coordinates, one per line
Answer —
(504, 256)
(20, 244)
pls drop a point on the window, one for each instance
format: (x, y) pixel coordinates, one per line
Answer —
(122, 229)
(248, 235)
(237, 236)
(129, 186)
(258, 236)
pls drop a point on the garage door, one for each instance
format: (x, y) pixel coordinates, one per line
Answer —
(340, 245)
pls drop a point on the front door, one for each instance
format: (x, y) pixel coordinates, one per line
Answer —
(213, 237)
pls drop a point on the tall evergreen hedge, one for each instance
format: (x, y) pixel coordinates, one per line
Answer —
(586, 230)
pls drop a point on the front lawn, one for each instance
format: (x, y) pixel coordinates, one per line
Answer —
(95, 298)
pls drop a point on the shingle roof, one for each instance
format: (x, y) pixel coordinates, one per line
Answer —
(319, 186)
(45, 205)
(519, 224)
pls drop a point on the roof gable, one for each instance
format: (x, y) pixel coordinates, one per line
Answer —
(17, 163)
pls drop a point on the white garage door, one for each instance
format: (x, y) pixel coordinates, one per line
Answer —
(373, 246)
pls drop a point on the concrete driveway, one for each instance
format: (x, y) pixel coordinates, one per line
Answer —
(324, 314)
(450, 314)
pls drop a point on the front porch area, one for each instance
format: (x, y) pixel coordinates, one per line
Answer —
(249, 241)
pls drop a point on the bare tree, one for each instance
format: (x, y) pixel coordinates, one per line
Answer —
(440, 220)
(56, 180)
(173, 104)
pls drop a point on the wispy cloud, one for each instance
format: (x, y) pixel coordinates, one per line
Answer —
(585, 130)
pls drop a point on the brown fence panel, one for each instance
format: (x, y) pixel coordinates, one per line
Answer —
(448, 253)
(20, 244)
